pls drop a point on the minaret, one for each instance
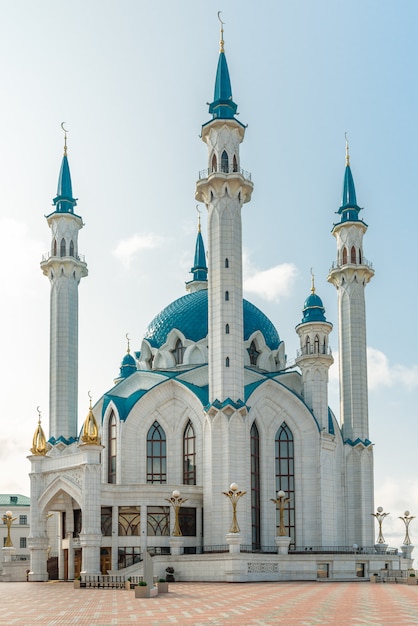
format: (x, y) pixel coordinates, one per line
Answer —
(199, 269)
(314, 357)
(350, 275)
(224, 187)
(64, 268)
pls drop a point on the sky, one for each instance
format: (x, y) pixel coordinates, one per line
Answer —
(131, 80)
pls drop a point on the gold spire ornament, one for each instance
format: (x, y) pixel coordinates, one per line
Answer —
(221, 43)
(39, 440)
(65, 137)
(90, 432)
(347, 154)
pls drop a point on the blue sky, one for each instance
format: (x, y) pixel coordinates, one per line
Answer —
(132, 79)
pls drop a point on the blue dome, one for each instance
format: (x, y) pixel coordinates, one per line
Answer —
(313, 309)
(128, 366)
(189, 315)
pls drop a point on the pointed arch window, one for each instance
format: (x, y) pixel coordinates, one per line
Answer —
(224, 162)
(226, 329)
(226, 296)
(344, 255)
(62, 247)
(71, 248)
(255, 488)
(353, 255)
(285, 476)
(111, 449)
(359, 257)
(189, 455)
(226, 263)
(235, 164)
(308, 345)
(253, 353)
(227, 361)
(156, 454)
(178, 352)
(54, 248)
(214, 163)
(316, 344)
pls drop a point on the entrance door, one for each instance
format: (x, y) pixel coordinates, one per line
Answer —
(77, 562)
(105, 560)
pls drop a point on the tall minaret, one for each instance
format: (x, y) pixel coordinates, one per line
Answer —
(350, 275)
(314, 357)
(64, 268)
(224, 187)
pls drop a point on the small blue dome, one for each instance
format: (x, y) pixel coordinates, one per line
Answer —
(189, 315)
(128, 366)
(313, 309)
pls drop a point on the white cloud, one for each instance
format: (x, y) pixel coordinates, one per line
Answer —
(127, 249)
(271, 284)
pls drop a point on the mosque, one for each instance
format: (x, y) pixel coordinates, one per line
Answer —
(207, 423)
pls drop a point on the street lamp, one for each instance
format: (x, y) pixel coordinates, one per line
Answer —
(234, 494)
(281, 501)
(176, 501)
(380, 516)
(8, 519)
(407, 520)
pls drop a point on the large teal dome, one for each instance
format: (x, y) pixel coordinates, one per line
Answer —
(189, 315)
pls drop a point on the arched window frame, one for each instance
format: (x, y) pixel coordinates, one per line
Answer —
(189, 455)
(214, 163)
(156, 454)
(54, 247)
(226, 263)
(62, 248)
(111, 448)
(226, 329)
(255, 488)
(234, 164)
(316, 344)
(225, 162)
(227, 361)
(344, 255)
(353, 258)
(253, 353)
(285, 476)
(226, 296)
(71, 248)
(178, 352)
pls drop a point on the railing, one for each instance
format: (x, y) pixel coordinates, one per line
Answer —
(20, 557)
(225, 169)
(337, 265)
(103, 581)
(312, 349)
(77, 257)
(248, 548)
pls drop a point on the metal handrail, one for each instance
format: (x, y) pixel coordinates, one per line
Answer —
(77, 257)
(224, 169)
(337, 265)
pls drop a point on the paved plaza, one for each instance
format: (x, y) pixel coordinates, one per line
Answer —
(198, 604)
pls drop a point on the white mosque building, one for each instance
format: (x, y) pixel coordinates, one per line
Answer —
(209, 400)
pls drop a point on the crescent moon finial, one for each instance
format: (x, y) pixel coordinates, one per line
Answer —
(347, 154)
(312, 281)
(65, 137)
(198, 218)
(39, 414)
(221, 43)
(128, 340)
(90, 397)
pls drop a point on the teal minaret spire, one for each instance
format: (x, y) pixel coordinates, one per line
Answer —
(64, 201)
(349, 208)
(64, 267)
(199, 269)
(223, 106)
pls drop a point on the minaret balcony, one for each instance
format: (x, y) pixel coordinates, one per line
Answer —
(226, 170)
(314, 350)
(364, 262)
(77, 257)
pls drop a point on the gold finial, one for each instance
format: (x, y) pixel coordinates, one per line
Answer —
(128, 340)
(90, 433)
(39, 440)
(347, 154)
(65, 137)
(198, 219)
(221, 43)
(312, 282)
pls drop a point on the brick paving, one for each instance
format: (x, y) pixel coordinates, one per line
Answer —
(213, 604)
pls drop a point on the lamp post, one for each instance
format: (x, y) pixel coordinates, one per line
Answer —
(407, 518)
(234, 494)
(176, 501)
(8, 519)
(281, 501)
(380, 516)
